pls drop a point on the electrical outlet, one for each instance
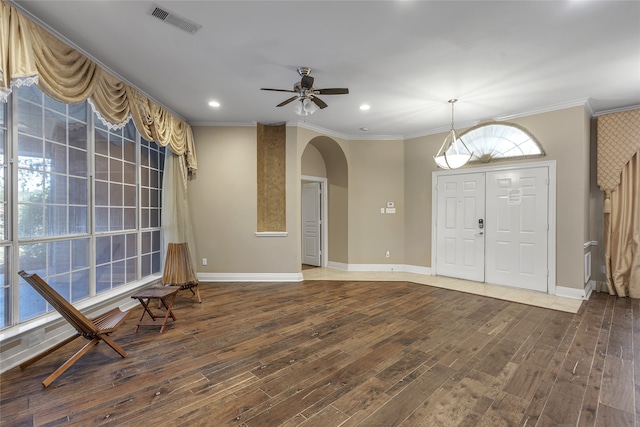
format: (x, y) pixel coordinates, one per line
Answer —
(388, 254)
(204, 261)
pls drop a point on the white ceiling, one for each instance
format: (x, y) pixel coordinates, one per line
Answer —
(403, 58)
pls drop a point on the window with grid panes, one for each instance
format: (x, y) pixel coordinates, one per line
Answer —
(115, 206)
(151, 167)
(70, 228)
(52, 197)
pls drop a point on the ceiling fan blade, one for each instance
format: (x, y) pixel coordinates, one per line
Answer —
(333, 91)
(319, 102)
(286, 101)
(279, 90)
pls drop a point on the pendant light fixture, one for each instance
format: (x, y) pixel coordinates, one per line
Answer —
(453, 153)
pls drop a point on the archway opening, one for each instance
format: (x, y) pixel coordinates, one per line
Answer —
(324, 161)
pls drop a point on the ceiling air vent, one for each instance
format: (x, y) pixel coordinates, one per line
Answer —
(173, 19)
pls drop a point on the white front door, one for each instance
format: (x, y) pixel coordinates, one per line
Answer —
(311, 225)
(460, 213)
(516, 245)
(517, 227)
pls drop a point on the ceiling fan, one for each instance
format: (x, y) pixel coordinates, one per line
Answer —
(306, 93)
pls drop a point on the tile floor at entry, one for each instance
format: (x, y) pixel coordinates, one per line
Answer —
(538, 299)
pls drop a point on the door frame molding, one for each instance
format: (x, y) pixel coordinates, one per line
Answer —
(551, 233)
(324, 217)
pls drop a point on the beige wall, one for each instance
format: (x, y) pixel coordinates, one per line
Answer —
(419, 165)
(363, 176)
(223, 205)
(312, 162)
(376, 176)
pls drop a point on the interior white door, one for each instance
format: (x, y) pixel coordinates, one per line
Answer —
(460, 240)
(311, 225)
(517, 228)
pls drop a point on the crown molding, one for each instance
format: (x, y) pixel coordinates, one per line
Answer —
(617, 110)
(345, 136)
(224, 124)
(584, 102)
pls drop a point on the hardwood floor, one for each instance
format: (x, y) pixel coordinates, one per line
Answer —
(330, 353)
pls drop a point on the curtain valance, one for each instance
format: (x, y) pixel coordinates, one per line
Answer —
(618, 141)
(30, 54)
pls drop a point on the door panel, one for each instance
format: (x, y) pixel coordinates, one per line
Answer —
(460, 246)
(311, 227)
(516, 228)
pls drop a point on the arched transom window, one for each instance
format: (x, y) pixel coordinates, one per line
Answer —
(497, 141)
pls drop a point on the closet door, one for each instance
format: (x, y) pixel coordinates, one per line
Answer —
(311, 224)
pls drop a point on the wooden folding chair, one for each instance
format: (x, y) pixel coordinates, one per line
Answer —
(95, 330)
(178, 269)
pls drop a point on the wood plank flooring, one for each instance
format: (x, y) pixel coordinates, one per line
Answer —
(330, 353)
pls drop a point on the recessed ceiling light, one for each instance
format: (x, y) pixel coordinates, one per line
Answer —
(214, 104)
(365, 107)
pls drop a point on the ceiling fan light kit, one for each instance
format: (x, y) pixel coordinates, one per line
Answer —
(305, 107)
(453, 153)
(307, 94)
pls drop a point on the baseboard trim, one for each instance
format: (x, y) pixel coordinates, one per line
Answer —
(582, 294)
(338, 266)
(405, 268)
(418, 270)
(374, 267)
(591, 286)
(250, 277)
(561, 291)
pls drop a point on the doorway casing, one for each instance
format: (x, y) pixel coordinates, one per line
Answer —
(324, 216)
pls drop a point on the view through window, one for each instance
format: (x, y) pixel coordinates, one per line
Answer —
(86, 202)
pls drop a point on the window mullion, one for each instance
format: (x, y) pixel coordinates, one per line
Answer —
(13, 203)
(138, 203)
(91, 201)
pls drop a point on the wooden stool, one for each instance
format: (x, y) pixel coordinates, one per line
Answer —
(162, 295)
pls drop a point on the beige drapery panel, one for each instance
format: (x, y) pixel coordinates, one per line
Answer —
(30, 52)
(622, 234)
(176, 218)
(619, 177)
